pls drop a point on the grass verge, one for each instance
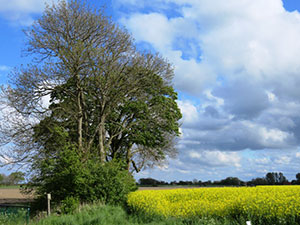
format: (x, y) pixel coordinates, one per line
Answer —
(9, 186)
(115, 215)
(19, 218)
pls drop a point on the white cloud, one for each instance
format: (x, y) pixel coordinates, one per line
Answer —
(283, 160)
(21, 11)
(189, 112)
(158, 33)
(272, 135)
(210, 96)
(216, 158)
(263, 161)
(162, 34)
(252, 38)
(4, 68)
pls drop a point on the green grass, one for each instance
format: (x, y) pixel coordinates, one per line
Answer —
(9, 186)
(114, 215)
(13, 219)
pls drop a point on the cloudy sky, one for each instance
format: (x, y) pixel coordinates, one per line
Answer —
(237, 72)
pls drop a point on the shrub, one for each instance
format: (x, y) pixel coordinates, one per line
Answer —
(107, 182)
(69, 205)
(66, 176)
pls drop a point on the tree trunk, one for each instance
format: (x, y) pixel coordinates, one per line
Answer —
(128, 157)
(80, 116)
(101, 133)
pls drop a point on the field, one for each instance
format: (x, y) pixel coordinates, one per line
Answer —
(12, 194)
(270, 204)
(261, 205)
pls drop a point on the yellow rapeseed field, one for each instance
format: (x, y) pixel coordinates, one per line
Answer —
(261, 201)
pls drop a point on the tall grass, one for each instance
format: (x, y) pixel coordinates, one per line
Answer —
(98, 214)
(13, 219)
(115, 215)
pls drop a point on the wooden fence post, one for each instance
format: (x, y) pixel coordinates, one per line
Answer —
(48, 204)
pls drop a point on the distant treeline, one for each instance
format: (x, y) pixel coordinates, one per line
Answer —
(271, 178)
(14, 178)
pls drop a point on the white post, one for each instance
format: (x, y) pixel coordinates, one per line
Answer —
(48, 204)
(248, 222)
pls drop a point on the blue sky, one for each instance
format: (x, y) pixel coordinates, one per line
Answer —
(237, 72)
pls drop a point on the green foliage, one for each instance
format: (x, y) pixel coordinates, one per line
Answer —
(108, 182)
(16, 178)
(112, 215)
(98, 214)
(1, 178)
(65, 175)
(90, 215)
(13, 216)
(69, 205)
(275, 178)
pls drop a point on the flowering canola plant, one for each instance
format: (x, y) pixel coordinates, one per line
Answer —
(261, 201)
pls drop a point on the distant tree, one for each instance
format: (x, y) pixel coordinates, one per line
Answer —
(270, 178)
(243, 183)
(207, 183)
(16, 178)
(148, 181)
(200, 183)
(258, 181)
(297, 181)
(275, 178)
(298, 178)
(181, 182)
(281, 179)
(1, 178)
(173, 182)
(231, 181)
(217, 182)
(197, 182)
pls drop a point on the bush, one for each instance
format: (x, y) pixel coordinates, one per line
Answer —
(69, 205)
(66, 176)
(109, 183)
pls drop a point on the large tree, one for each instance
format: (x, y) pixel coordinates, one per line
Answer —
(107, 100)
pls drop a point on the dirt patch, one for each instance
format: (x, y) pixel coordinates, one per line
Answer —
(9, 196)
(12, 193)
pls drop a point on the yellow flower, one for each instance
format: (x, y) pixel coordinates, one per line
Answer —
(266, 201)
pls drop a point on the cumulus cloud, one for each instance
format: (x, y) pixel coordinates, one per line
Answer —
(215, 158)
(21, 11)
(236, 39)
(239, 62)
(246, 50)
